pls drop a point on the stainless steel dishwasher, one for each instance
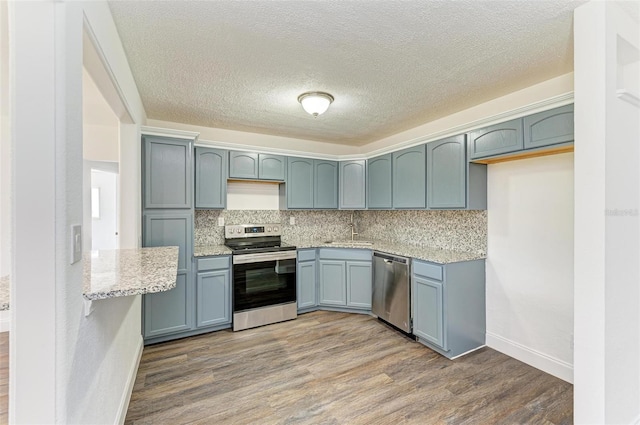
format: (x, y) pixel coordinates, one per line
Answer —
(391, 291)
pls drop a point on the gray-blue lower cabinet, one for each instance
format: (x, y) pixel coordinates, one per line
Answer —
(345, 278)
(333, 282)
(359, 284)
(306, 279)
(169, 312)
(213, 291)
(448, 306)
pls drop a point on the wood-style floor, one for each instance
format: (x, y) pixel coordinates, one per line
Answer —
(335, 368)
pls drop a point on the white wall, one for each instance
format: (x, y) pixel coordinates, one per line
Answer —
(607, 224)
(530, 262)
(65, 367)
(252, 196)
(104, 226)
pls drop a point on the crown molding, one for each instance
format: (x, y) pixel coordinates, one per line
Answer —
(169, 132)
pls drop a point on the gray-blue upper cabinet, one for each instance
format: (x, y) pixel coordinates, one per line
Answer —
(211, 178)
(496, 139)
(352, 185)
(446, 173)
(243, 165)
(271, 167)
(168, 172)
(300, 172)
(311, 183)
(325, 194)
(379, 182)
(409, 178)
(254, 166)
(549, 127)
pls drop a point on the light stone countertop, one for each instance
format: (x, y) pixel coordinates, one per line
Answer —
(5, 291)
(208, 250)
(434, 255)
(125, 272)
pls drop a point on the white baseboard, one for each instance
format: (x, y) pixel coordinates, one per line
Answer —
(131, 380)
(5, 321)
(544, 362)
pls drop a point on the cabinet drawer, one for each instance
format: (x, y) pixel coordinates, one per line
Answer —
(307, 255)
(347, 254)
(432, 271)
(212, 263)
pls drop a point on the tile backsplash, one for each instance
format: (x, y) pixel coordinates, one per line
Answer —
(456, 230)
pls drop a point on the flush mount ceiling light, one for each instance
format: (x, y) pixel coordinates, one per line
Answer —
(316, 102)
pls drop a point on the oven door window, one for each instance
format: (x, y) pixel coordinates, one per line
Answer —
(263, 284)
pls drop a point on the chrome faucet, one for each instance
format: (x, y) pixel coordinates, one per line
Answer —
(353, 227)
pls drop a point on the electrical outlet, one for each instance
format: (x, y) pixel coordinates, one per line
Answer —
(76, 243)
(292, 220)
(220, 221)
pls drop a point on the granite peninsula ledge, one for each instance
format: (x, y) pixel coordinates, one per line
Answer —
(125, 272)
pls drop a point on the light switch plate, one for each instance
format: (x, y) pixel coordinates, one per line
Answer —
(220, 221)
(76, 243)
(292, 220)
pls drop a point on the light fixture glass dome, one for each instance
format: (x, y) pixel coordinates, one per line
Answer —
(315, 103)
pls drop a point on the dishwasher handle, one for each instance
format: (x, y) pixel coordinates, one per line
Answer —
(391, 258)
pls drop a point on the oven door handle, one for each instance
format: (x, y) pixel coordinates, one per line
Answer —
(264, 257)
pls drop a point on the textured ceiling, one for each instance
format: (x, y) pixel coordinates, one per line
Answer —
(391, 65)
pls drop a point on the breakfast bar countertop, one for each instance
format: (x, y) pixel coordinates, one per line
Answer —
(124, 272)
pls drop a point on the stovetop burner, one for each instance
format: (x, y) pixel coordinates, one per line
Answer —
(251, 238)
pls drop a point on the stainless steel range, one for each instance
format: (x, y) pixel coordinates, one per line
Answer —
(264, 275)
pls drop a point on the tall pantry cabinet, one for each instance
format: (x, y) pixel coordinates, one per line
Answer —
(167, 219)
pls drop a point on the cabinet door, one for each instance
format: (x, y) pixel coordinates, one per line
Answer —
(211, 178)
(167, 172)
(170, 229)
(409, 178)
(428, 314)
(379, 182)
(271, 167)
(333, 285)
(169, 312)
(359, 284)
(446, 173)
(243, 165)
(299, 183)
(213, 295)
(352, 185)
(549, 127)
(496, 139)
(306, 280)
(325, 184)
